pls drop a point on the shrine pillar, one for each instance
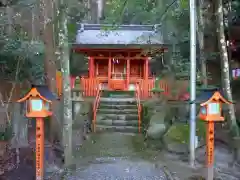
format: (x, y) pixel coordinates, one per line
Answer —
(91, 66)
(109, 69)
(146, 72)
(146, 69)
(128, 73)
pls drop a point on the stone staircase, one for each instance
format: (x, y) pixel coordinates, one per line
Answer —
(117, 113)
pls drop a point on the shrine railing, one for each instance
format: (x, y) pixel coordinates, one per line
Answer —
(139, 107)
(147, 85)
(90, 86)
(95, 107)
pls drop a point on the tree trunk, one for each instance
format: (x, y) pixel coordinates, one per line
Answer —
(94, 11)
(50, 60)
(225, 66)
(65, 69)
(9, 12)
(230, 17)
(20, 127)
(200, 32)
(100, 6)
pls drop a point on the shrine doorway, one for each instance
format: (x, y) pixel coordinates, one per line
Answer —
(118, 70)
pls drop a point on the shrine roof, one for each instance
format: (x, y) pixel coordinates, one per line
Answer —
(96, 35)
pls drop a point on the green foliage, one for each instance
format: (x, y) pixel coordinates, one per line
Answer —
(22, 56)
(78, 64)
(72, 29)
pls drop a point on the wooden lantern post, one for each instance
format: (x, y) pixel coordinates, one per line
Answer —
(211, 111)
(38, 101)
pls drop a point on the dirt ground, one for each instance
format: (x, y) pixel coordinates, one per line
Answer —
(24, 170)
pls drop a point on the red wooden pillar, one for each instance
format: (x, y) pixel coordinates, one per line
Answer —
(91, 66)
(97, 69)
(91, 85)
(128, 74)
(146, 72)
(146, 69)
(109, 70)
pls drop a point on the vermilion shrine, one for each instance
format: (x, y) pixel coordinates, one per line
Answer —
(118, 59)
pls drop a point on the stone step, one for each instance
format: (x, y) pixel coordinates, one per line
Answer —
(118, 133)
(117, 117)
(118, 106)
(109, 99)
(109, 122)
(116, 94)
(115, 101)
(121, 96)
(127, 129)
(117, 111)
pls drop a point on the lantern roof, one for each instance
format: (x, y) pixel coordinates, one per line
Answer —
(106, 35)
(41, 91)
(207, 95)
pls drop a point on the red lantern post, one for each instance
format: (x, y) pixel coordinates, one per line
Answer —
(38, 101)
(211, 111)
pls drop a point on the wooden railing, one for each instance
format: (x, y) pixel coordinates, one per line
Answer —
(89, 86)
(147, 85)
(139, 107)
(95, 107)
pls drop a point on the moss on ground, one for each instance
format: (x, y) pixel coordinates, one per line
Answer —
(179, 132)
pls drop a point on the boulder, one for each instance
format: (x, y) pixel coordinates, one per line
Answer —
(183, 113)
(176, 140)
(157, 126)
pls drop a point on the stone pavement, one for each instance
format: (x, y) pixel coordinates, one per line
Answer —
(115, 156)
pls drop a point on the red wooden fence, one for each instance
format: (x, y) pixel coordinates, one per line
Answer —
(89, 86)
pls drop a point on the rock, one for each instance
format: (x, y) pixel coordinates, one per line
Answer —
(183, 113)
(176, 147)
(160, 120)
(157, 126)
